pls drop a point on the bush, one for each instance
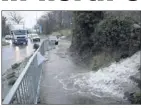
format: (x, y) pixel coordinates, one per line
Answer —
(10, 75)
(84, 25)
(35, 46)
(12, 81)
(101, 60)
(16, 65)
(114, 39)
(96, 33)
(134, 98)
(139, 68)
(116, 35)
(137, 98)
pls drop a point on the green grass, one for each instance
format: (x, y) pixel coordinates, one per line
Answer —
(137, 98)
(102, 60)
(105, 58)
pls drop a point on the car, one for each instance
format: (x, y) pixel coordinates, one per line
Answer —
(35, 37)
(62, 37)
(19, 36)
(53, 39)
(8, 37)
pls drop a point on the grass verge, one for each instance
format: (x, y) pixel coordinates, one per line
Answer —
(102, 60)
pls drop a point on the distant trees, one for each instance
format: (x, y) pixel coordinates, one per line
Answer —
(5, 26)
(55, 20)
(15, 17)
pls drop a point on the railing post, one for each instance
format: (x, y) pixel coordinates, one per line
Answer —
(35, 75)
(43, 48)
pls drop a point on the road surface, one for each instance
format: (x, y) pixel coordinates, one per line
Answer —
(13, 54)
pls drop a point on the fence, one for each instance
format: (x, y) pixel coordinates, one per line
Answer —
(26, 88)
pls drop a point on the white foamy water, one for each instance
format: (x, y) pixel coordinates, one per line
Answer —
(110, 81)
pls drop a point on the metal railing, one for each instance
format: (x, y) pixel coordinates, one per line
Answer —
(26, 88)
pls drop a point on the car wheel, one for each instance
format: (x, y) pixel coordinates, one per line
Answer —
(14, 44)
(56, 43)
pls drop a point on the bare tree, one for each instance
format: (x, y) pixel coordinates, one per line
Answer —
(15, 17)
(55, 20)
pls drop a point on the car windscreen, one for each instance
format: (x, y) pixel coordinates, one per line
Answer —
(20, 32)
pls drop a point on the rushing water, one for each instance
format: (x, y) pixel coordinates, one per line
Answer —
(66, 83)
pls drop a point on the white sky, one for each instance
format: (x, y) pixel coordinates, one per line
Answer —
(29, 16)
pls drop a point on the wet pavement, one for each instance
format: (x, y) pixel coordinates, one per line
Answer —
(64, 82)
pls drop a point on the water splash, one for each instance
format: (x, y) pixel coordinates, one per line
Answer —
(107, 82)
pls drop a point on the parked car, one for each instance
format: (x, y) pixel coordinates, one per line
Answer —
(54, 40)
(35, 37)
(8, 37)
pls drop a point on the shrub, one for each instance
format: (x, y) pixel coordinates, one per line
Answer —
(12, 81)
(134, 98)
(84, 25)
(96, 33)
(35, 46)
(102, 59)
(137, 98)
(16, 65)
(10, 75)
(139, 68)
(116, 35)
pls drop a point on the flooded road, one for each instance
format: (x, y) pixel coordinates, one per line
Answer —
(64, 82)
(12, 54)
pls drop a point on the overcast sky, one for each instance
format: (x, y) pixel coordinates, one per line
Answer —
(29, 16)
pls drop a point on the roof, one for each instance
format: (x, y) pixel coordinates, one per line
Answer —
(18, 26)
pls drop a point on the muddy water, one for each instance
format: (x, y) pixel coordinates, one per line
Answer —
(64, 82)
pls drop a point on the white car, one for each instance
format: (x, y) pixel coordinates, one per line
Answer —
(7, 37)
(35, 37)
(53, 39)
(62, 37)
